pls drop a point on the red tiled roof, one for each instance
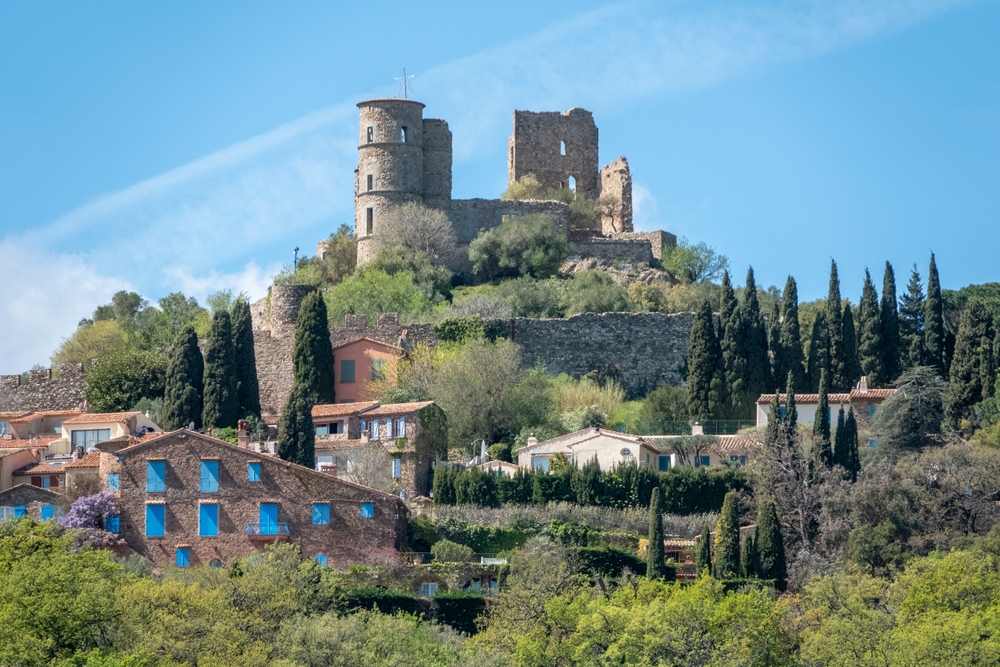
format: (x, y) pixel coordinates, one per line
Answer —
(804, 399)
(34, 441)
(871, 395)
(371, 340)
(88, 460)
(342, 409)
(738, 443)
(43, 468)
(48, 413)
(101, 418)
(10, 416)
(397, 409)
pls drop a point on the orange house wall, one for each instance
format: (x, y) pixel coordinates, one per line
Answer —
(362, 352)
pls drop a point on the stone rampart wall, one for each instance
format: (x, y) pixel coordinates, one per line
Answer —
(657, 239)
(636, 251)
(42, 391)
(616, 197)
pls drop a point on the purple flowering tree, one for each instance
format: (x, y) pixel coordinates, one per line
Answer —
(89, 511)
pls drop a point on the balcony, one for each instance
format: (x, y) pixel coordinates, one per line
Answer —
(267, 532)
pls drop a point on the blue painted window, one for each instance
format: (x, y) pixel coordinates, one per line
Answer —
(367, 510)
(782, 410)
(401, 431)
(208, 520)
(268, 518)
(540, 463)
(46, 512)
(183, 556)
(321, 559)
(397, 467)
(20, 511)
(702, 461)
(113, 481)
(155, 520)
(156, 475)
(321, 514)
(209, 476)
(871, 410)
(46, 482)
(664, 463)
(113, 523)
(253, 472)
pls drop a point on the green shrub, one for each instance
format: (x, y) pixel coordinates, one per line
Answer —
(459, 610)
(528, 245)
(470, 327)
(610, 561)
(117, 383)
(446, 551)
(385, 600)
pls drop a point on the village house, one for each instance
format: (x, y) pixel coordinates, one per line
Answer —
(28, 425)
(87, 429)
(187, 499)
(87, 466)
(361, 362)
(862, 399)
(13, 459)
(500, 468)
(43, 474)
(32, 501)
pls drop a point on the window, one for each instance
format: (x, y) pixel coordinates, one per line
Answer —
(347, 370)
(321, 514)
(738, 460)
(113, 481)
(209, 477)
(208, 520)
(6, 512)
(367, 510)
(664, 463)
(401, 428)
(183, 556)
(20, 511)
(156, 473)
(320, 460)
(253, 472)
(323, 429)
(378, 369)
(371, 182)
(702, 461)
(364, 425)
(321, 559)
(428, 589)
(388, 428)
(155, 520)
(47, 512)
(781, 412)
(268, 519)
(46, 482)
(3, 428)
(402, 134)
(871, 410)
(371, 133)
(215, 563)
(87, 439)
(562, 148)
(369, 221)
(572, 183)
(540, 463)
(397, 467)
(113, 523)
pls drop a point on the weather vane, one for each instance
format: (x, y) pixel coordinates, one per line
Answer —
(405, 86)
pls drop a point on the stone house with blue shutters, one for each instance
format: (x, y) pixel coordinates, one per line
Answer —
(187, 499)
(32, 501)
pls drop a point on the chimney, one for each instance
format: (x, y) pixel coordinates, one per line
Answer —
(242, 437)
(532, 440)
(863, 385)
(328, 468)
(697, 429)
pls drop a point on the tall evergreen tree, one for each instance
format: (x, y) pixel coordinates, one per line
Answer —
(791, 335)
(312, 356)
(851, 441)
(727, 304)
(840, 379)
(758, 373)
(911, 321)
(748, 558)
(705, 375)
(852, 368)
(704, 559)
(655, 568)
(727, 539)
(893, 363)
(821, 425)
(973, 373)
(772, 432)
(934, 321)
(247, 387)
(184, 383)
(296, 433)
(770, 545)
(779, 370)
(819, 350)
(841, 446)
(732, 334)
(871, 344)
(220, 401)
(791, 420)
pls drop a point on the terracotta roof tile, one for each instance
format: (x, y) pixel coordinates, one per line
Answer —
(871, 395)
(804, 399)
(342, 409)
(43, 468)
(372, 340)
(88, 460)
(48, 413)
(101, 418)
(397, 409)
(10, 416)
(35, 441)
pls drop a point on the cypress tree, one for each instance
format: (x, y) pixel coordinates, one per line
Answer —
(247, 387)
(727, 539)
(871, 345)
(655, 568)
(184, 383)
(778, 368)
(821, 425)
(296, 433)
(704, 367)
(704, 560)
(758, 371)
(444, 485)
(852, 368)
(851, 448)
(220, 400)
(841, 448)
(911, 321)
(727, 304)
(819, 350)
(732, 334)
(770, 545)
(973, 373)
(791, 336)
(934, 321)
(840, 379)
(791, 414)
(893, 363)
(748, 558)
(772, 432)
(312, 356)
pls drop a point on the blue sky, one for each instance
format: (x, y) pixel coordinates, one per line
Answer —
(191, 146)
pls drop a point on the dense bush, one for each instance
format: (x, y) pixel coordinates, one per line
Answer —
(117, 383)
(610, 561)
(528, 245)
(472, 327)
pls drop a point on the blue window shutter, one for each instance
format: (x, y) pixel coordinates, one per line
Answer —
(155, 476)
(20, 511)
(397, 467)
(253, 472)
(46, 512)
(367, 510)
(268, 519)
(209, 476)
(321, 559)
(208, 520)
(112, 523)
(182, 557)
(113, 481)
(321, 514)
(155, 520)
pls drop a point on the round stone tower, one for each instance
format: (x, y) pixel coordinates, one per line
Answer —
(390, 164)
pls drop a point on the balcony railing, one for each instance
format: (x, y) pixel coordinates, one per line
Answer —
(267, 531)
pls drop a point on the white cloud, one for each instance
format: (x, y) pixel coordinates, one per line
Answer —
(252, 279)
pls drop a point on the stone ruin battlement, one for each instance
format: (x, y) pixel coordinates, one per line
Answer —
(44, 389)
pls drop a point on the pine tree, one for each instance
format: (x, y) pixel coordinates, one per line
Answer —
(296, 433)
(184, 383)
(973, 373)
(851, 442)
(312, 356)
(220, 400)
(821, 425)
(247, 387)
(748, 558)
(840, 379)
(893, 363)
(819, 350)
(841, 447)
(704, 560)
(791, 336)
(871, 344)
(911, 321)
(852, 368)
(934, 321)
(655, 568)
(727, 539)
(778, 368)
(758, 373)
(704, 367)
(770, 545)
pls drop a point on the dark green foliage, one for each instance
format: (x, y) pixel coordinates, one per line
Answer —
(758, 368)
(470, 327)
(595, 292)
(841, 448)
(665, 403)
(431, 279)
(911, 321)
(384, 600)
(516, 490)
(892, 345)
(184, 383)
(733, 334)
(972, 368)
(727, 304)
(520, 246)
(819, 350)
(910, 418)
(312, 356)
(704, 558)
(791, 419)
(871, 344)
(727, 539)
(220, 401)
(772, 431)
(852, 367)
(840, 378)
(459, 610)
(587, 485)
(654, 553)
(706, 393)
(934, 321)
(117, 383)
(845, 449)
(247, 387)
(444, 485)
(821, 426)
(852, 431)
(774, 345)
(770, 545)
(532, 298)
(748, 558)
(475, 486)
(688, 490)
(609, 562)
(296, 433)
(791, 337)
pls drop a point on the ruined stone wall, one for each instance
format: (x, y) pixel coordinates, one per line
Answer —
(42, 391)
(657, 239)
(640, 350)
(616, 197)
(634, 251)
(534, 148)
(437, 161)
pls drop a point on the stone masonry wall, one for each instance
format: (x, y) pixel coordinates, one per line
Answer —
(637, 251)
(657, 239)
(534, 148)
(616, 195)
(42, 391)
